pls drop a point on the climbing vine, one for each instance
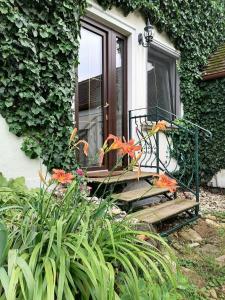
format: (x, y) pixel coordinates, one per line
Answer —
(39, 52)
(38, 57)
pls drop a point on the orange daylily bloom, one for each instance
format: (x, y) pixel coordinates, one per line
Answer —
(117, 142)
(73, 134)
(124, 148)
(166, 182)
(86, 146)
(61, 176)
(130, 148)
(159, 126)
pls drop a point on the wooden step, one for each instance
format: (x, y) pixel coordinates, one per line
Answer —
(140, 193)
(163, 211)
(124, 177)
(103, 173)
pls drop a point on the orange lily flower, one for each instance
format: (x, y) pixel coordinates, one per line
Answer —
(73, 134)
(86, 146)
(159, 126)
(61, 176)
(130, 148)
(166, 182)
(117, 142)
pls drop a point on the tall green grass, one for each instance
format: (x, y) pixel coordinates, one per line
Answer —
(68, 248)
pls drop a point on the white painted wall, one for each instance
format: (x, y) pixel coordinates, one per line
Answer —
(218, 179)
(13, 162)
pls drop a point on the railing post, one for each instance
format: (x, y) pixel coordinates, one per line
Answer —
(157, 142)
(130, 124)
(197, 182)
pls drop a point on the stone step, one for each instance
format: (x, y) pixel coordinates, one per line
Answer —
(163, 211)
(139, 194)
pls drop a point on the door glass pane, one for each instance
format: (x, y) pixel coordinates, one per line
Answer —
(119, 89)
(90, 83)
(119, 85)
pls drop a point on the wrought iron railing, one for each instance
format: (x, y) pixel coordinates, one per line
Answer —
(174, 151)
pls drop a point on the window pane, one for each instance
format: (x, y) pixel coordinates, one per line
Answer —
(119, 85)
(90, 81)
(159, 83)
(119, 88)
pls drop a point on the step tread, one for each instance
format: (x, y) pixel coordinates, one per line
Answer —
(126, 176)
(163, 211)
(140, 193)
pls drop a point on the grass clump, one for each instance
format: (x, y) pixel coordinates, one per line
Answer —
(70, 248)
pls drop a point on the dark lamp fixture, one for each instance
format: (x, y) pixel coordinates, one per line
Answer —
(146, 40)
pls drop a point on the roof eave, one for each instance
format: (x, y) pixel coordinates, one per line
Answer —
(214, 75)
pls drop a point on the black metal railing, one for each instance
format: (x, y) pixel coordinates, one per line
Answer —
(174, 151)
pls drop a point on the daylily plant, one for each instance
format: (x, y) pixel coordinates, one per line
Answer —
(130, 148)
(115, 143)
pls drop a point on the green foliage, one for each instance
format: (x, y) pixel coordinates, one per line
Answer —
(3, 243)
(38, 57)
(60, 249)
(212, 110)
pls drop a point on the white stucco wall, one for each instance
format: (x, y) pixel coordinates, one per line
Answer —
(218, 179)
(13, 162)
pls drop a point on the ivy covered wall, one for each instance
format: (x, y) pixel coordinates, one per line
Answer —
(38, 54)
(212, 114)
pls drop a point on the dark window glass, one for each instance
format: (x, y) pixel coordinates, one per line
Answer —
(161, 72)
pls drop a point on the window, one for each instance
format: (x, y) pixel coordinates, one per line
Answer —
(162, 83)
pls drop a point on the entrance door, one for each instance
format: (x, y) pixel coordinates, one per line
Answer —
(101, 105)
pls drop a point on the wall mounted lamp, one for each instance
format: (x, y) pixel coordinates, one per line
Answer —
(146, 39)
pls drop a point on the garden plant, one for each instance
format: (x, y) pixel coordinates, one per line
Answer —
(55, 243)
